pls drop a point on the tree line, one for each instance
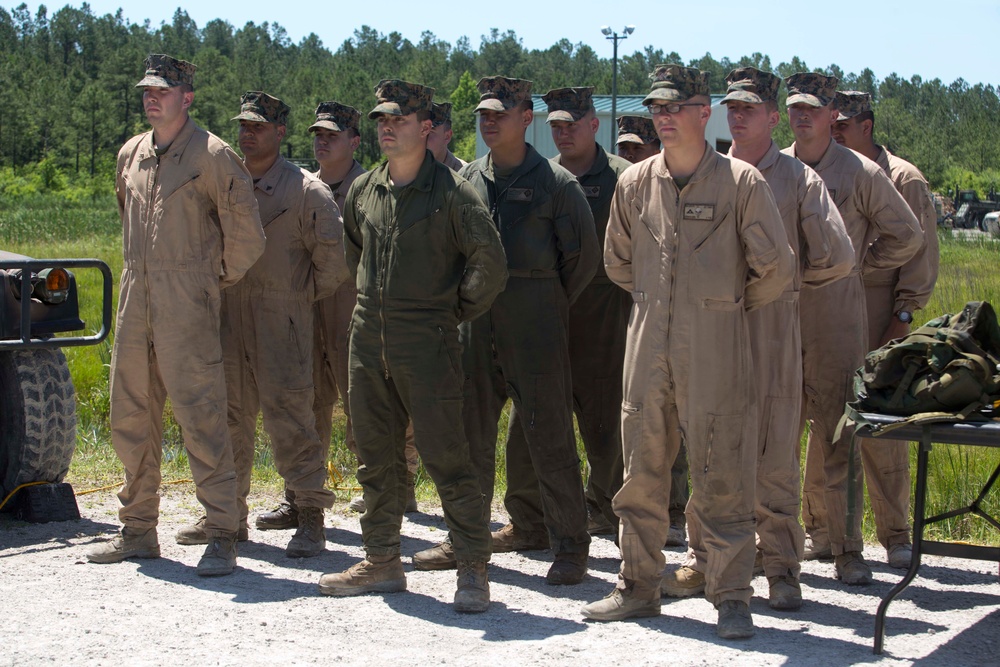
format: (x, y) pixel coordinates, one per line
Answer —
(69, 100)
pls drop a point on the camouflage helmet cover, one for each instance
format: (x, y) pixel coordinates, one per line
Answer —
(851, 103)
(637, 130)
(441, 113)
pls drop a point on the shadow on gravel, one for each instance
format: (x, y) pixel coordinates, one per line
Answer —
(17, 535)
(971, 646)
(245, 584)
(500, 623)
(862, 623)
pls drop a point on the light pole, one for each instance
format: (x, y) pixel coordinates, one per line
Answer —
(612, 35)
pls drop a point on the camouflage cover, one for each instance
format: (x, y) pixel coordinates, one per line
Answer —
(851, 103)
(636, 130)
(498, 93)
(676, 83)
(163, 71)
(259, 107)
(568, 104)
(336, 116)
(810, 88)
(441, 113)
(401, 98)
(749, 84)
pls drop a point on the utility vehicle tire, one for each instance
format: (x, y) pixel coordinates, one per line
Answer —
(37, 418)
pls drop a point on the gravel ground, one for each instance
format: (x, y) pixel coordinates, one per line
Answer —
(59, 609)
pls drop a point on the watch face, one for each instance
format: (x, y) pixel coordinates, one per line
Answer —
(904, 316)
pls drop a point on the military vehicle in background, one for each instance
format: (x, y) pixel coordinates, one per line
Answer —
(970, 210)
(38, 300)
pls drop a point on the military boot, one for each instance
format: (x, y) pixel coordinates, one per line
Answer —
(310, 538)
(682, 582)
(816, 549)
(621, 604)
(509, 538)
(598, 524)
(852, 569)
(472, 595)
(439, 557)
(675, 536)
(784, 593)
(411, 494)
(735, 621)
(129, 543)
(282, 517)
(195, 533)
(357, 504)
(899, 556)
(375, 574)
(568, 569)
(219, 557)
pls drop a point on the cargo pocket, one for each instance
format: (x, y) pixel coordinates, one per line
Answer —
(723, 469)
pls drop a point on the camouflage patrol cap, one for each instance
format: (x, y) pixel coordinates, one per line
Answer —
(163, 71)
(637, 130)
(851, 103)
(676, 83)
(749, 84)
(811, 88)
(568, 104)
(336, 116)
(441, 113)
(259, 107)
(498, 93)
(401, 98)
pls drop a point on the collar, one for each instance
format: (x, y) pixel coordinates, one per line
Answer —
(177, 147)
(423, 182)
(268, 183)
(770, 157)
(707, 164)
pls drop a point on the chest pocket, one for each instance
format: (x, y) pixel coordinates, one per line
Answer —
(717, 264)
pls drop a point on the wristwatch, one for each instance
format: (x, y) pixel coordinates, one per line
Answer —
(904, 316)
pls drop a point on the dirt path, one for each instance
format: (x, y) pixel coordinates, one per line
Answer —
(59, 609)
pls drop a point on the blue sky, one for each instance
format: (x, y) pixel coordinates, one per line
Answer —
(930, 39)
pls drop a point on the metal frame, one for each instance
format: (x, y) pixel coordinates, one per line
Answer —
(27, 266)
(976, 434)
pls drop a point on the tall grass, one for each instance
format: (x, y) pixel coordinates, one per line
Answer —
(49, 227)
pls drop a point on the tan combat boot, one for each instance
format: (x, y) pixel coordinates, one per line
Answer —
(852, 569)
(682, 582)
(568, 569)
(439, 557)
(816, 549)
(195, 533)
(219, 557)
(375, 574)
(310, 538)
(735, 621)
(784, 593)
(129, 543)
(509, 538)
(621, 604)
(472, 596)
(282, 517)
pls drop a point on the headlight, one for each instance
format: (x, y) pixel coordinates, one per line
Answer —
(52, 286)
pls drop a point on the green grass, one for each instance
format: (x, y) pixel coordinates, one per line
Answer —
(49, 227)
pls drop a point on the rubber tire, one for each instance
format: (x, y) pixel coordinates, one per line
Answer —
(37, 418)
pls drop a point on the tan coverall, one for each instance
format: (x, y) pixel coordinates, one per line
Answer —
(189, 227)
(333, 317)
(909, 288)
(267, 329)
(884, 234)
(824, 254)
(695, 260)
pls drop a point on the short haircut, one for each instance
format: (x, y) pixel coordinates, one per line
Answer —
(423, 114)
(771, 106)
